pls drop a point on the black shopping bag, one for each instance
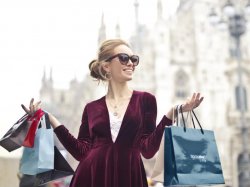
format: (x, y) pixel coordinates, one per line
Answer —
(28, 181)
(61, 169)
(191, 157)
(16, 135)
(22, 132)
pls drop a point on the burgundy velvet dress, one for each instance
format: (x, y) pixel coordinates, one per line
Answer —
(104, 163)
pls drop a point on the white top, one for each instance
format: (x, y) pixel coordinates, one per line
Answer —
(115, 125)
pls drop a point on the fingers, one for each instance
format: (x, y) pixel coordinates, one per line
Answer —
(37, 105)
(192, 102)
(33, 107)
(201, 99)
(197, 99)
(25, 109)
(194, 97)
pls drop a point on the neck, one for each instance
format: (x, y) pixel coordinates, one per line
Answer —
(118, 91)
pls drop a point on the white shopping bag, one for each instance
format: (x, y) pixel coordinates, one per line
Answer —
(158, 170)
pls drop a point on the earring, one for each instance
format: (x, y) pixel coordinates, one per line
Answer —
(108, 76)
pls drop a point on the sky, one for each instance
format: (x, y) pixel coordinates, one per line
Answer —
(59, 35)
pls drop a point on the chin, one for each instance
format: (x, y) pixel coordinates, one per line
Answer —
(129, 78)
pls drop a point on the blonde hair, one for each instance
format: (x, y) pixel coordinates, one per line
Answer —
(105, 51)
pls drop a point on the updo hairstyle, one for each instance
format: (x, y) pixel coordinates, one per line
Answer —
(106, 50)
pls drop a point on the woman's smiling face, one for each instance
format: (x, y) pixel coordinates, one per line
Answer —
(120, 72)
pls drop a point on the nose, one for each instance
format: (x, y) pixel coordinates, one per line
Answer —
(130, 63)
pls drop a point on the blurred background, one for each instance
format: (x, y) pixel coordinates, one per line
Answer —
(185, 46)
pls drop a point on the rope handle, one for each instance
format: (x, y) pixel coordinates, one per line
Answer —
(192, 113)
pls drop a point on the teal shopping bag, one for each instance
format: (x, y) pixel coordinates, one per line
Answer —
(40, 158)
(191, 157)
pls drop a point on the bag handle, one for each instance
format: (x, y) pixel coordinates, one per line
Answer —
(175, 109)
(191, 113)
(178, 116)
(197, 121)
(24, 117)
(48, 126)
(191, 118)
(179, 110)
(173, 116)
(45, 121)
(184, 124)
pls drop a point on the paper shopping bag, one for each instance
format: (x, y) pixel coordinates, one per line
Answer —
(15, 136)
(40, 158)
(35, 120)
(191, 156)
(18, 134)
(158, 170)
(61, 169)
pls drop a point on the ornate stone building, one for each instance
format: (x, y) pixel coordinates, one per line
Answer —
(180, 55)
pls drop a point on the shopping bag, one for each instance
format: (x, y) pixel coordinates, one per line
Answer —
(27, 181)
(40, 158)
(158, 169)
(61, 169)
(35, 120)
(15, 136)
(191, 157)
(18, 133)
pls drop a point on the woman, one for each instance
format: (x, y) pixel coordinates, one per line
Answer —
(117, 128)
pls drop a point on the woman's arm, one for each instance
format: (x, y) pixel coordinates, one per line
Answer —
(54, 121)
(152, 135)
(77, 147)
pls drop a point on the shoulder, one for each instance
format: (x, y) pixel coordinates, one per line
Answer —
(144, 95)
(146, 98)
(95, 103)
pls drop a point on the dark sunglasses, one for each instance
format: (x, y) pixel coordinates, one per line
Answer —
(124, 58)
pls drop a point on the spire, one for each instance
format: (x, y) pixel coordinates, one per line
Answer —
(136, 4)
(118, 30)
(137, 40)
(47, 83)
(51, 77)
(102, 31)
(159, 10)
(184, 3)
(44, 74)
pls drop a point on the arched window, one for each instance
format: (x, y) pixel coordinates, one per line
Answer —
(238, 98)
(181, 84)
(244, 175)
(62, 98)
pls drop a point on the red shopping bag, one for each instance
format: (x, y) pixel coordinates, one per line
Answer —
(34, 120)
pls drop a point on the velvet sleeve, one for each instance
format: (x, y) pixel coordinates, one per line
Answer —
(152, 135)
(77, 147)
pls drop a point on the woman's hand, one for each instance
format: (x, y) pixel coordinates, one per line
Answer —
(192, 103)
(189, 105)
(33, 107)
(36, 106)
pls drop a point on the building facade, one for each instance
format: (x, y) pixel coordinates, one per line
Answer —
(180, 55)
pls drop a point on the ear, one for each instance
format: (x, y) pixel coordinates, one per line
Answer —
(106, 66)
